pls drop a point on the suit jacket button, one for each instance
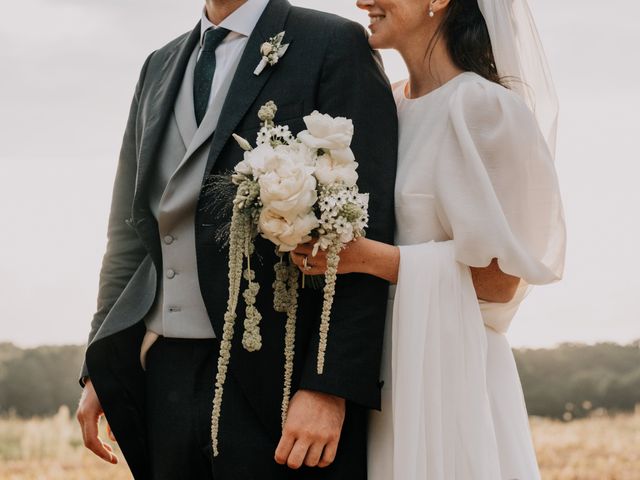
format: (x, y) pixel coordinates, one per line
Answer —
(171, 273)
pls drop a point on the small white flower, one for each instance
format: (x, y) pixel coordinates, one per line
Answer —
(324, 242)
(347, 235)
(327, 203)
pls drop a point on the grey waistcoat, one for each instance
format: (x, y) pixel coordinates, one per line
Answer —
(179, 310)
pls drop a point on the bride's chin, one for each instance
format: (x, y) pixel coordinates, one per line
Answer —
(376, 41)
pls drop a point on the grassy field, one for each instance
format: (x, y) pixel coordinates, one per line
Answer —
(601, 447)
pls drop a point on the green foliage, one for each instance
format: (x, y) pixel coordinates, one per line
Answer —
(37, 381)
(570, 378)
(578, 378)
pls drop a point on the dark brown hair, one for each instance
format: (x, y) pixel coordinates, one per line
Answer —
(465, 33)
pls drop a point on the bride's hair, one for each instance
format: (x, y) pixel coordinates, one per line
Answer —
(465, 33)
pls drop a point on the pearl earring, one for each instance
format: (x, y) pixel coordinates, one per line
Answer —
(431, 14)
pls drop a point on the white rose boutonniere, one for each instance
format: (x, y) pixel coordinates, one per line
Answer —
(272, 51)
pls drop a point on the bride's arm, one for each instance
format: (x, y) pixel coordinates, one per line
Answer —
(360, 256)
(492, 284)
(382, 260)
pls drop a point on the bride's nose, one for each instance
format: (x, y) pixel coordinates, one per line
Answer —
(365, 4)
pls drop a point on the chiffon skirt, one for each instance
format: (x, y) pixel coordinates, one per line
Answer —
(452, 402)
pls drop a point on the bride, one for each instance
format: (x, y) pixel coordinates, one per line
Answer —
(479, 220)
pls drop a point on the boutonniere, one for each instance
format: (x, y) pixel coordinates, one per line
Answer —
(271, 51)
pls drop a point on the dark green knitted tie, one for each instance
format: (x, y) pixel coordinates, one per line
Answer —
(205, 68)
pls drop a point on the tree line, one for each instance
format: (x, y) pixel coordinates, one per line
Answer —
(571, 379)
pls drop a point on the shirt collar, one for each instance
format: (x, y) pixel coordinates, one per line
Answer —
(242, 21)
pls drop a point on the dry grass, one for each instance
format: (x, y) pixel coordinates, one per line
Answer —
(51, 449)
(598, 448)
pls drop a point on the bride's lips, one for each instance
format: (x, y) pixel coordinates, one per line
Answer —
(375, 20)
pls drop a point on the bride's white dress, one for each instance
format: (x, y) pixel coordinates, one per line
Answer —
(475, 181)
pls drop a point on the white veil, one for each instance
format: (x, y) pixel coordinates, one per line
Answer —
(521, 61)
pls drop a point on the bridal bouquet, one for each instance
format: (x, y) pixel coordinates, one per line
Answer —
(289, 190)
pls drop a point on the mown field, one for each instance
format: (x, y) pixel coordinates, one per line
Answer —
(600, 447)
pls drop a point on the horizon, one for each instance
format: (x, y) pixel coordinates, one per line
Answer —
(630, 344)
(65, 106)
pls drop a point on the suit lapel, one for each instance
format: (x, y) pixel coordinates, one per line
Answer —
(246, 86)
(161, 99)
(184, 110)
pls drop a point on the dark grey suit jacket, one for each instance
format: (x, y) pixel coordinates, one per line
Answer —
(329, 67)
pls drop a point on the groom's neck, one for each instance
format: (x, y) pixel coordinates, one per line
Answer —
(218, 10)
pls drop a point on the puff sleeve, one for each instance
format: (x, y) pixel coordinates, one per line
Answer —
(496, 186)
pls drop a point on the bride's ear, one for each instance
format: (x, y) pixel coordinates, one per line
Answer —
(438, 6)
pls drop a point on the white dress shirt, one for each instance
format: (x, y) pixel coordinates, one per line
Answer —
(240, 25)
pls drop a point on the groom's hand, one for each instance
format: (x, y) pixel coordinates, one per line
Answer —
(88, 415)
(312, 430)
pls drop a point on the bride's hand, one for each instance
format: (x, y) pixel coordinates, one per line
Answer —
(352, 258)
(363, 255)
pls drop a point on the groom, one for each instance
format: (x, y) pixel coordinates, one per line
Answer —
(151, 359)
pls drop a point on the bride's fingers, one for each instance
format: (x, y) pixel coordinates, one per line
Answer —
(304, 249)
(297, 259)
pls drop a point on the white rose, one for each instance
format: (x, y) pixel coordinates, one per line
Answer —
(255, 161)
(288, 186)
(342, 156)
(324, 131)
(265, 49)
(287, 235)
(298, 152)
(244, 168)
(329, 171)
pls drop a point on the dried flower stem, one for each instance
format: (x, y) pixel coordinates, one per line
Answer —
(251, 338)
(290, 338)
(238, 231)
(280, 293)
(331, 275)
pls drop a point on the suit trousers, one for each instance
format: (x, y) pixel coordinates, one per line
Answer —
(180, 377)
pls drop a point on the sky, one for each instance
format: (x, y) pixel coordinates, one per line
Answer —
(68, 72)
